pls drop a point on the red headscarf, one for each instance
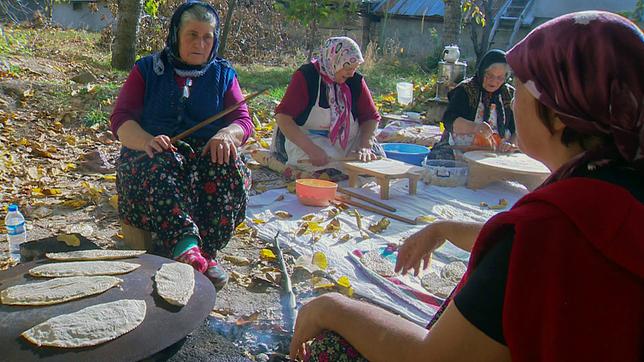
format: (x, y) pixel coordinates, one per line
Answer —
(588, 67)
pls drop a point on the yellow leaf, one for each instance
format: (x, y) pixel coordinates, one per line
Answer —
(114, 202)
(69, 239)
(51, 192)
(75, 204)
(109, 177)
(426, 219)
(70, 166)
(291, 187)
(344, 281)
(263, 143)
(37, 192)
(242, 227)
(258, 221)
(319, 259)
(267, 254)
(314, 228)
(441, 127)
(23, 142)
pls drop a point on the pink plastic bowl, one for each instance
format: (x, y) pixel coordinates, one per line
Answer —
(313, 192)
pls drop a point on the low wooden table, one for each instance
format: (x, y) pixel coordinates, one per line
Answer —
(486, 167)
(383, 170)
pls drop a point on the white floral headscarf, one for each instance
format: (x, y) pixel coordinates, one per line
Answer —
(336, 54)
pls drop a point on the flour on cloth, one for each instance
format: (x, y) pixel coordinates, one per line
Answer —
(89, 326)
(57, 290)
(82, 268)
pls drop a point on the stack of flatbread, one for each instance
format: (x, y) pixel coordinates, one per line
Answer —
(83, 273)
(442, 285)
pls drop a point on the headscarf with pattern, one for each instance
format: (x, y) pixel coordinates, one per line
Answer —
(171, 50)
(588, 68)
(335, 54)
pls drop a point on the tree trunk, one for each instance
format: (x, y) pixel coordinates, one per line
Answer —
(224, 36)
(452, 22)
(127, 26)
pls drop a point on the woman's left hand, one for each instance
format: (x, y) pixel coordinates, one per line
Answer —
(506, 146)
(365, 154)
(222, 148)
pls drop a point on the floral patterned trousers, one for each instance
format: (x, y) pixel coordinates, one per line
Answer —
(331, 347)
(181, 193)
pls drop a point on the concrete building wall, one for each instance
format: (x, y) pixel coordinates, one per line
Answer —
(554, 8)
(79, 16)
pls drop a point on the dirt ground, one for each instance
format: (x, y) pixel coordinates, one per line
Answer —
(49, 165)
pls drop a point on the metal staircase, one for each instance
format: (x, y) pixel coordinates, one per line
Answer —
(508, 20)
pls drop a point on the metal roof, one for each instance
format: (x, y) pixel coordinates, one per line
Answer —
(411, 7)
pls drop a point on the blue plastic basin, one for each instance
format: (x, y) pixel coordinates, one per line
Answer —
(405, 152)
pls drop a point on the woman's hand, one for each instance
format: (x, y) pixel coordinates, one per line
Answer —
(419, 247)
(506, 146)
(365, 154)
(222, 148)
(317, 156)
(158, 144)
(484, 129)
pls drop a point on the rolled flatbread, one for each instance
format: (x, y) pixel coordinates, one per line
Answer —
(98, 254)
(57, 290)
(436, 285)
(378, 264)
(89, 326)
(175, 283)
(82, 268)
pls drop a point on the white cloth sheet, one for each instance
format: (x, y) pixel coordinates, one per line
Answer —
(458, 203)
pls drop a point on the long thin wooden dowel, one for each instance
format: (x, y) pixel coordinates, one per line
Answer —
(376, 210)
(208, 120)
(366, 198)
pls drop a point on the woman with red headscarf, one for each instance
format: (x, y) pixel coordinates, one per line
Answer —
(560, 276)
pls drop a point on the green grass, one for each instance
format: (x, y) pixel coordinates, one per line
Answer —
(383, 76)
(95, 117)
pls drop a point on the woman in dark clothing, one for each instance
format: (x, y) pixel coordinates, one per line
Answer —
(192, 194)
(479, 109)
(559, 277)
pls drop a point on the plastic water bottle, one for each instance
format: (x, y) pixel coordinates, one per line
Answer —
(16, 231)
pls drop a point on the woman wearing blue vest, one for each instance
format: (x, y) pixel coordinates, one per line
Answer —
(327, 112)
(192, 194)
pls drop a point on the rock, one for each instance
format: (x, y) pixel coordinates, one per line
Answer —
(262, 357)
(84, 78)
(96, 161)
(261, 348)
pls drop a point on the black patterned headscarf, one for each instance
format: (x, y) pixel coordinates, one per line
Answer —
(172, 41)
(588, 67)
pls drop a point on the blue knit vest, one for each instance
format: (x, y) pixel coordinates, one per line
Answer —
(164, 112)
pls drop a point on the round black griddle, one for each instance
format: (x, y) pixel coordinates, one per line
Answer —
(164, 324)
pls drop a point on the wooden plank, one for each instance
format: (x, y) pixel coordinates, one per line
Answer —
(387, 168)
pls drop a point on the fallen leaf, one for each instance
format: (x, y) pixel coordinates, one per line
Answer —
(109, 177)
(267, 254)
(258, 221)
(345, 238)
(332, 227)
(247, 319)
(380, 226)
(425, 219)
(283, 214)
(358, 218)
(237, 260)
(344, 286)
(319, 259)
(114, 201)
(69, 239)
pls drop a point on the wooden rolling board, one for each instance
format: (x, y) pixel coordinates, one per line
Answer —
(383, 170)
(486, 167)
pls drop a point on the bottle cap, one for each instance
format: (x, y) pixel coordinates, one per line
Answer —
(13, 207)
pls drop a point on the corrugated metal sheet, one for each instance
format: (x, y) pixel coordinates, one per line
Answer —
(411, 7)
